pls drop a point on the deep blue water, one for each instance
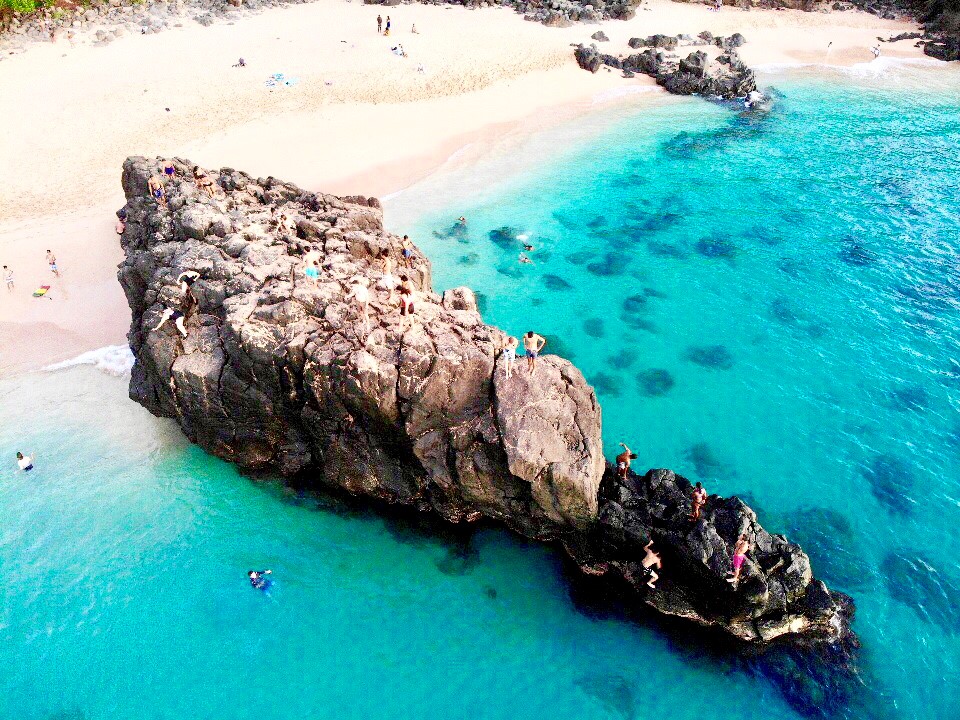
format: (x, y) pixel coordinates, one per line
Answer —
(768, 304)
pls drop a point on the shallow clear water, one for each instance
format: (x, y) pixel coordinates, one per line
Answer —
(832, 405)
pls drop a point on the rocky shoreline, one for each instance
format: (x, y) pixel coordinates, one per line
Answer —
(724, 76)
(279, 373)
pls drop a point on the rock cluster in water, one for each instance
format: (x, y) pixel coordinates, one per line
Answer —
(725, 77)
(279, 373)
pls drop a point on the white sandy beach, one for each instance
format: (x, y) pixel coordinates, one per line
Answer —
(359, 120)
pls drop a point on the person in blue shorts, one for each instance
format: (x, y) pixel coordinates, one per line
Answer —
(407, 251)
(24, 462)
(533, 344)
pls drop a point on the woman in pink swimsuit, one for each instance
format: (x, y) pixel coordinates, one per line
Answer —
(740, 551)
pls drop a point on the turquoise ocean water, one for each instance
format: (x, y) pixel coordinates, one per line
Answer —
(768, 303)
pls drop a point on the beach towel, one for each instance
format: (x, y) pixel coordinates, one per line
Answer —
(280, 80)
(41, 291)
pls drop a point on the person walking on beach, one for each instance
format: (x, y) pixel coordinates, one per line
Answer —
(509, 354)
(52, 262)
(623, 461)
(876, 51)
(533, 344)
(8, 278)
(699, 500)
(407, 251)
(24, 462)
(650, 561)
(379, 25)
(740, 551)
(176, 316)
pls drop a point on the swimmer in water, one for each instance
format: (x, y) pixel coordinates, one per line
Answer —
(257, 579)
(24, 462)
(525, 260)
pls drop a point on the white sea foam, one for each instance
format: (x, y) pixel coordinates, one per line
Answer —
(525, 236)
(112, 360)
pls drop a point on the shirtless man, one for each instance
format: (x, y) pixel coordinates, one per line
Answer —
(740, 551)
(311, 265)
(389, 281)
(406, 298)
(361, 295)
(176, 316)
(623, 461)
(24, 462)
(52, 262)
(203, 181)
(155, 185)
(651, 560)
(533, 344)
(699, 500)
(8, 278)
(407, 251)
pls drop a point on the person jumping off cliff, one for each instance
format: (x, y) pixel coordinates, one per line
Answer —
(651, 560)
(623, 461)
(176, 316)
(740, 551)
(533, 344)
(699, 500)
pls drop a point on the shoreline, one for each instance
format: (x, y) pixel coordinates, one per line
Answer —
(360, 121)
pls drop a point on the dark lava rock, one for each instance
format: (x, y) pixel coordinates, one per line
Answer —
(600, 36)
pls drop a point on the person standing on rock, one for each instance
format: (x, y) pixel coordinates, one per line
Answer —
(623, 461)
(379, 25)
(509, 354)
(203, 181)
(169, 170)
(155, 184)
(311, 266)
(650, 561)
(361, 295)
(406, 297)
(388, 281)
(533, 344)
(740, 551)
(8, 278)
(407, 251)
(699, 500)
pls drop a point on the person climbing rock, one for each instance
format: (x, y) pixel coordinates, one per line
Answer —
(650, 561)
(361, 295)
(699, 500)
(176, 316)
(740, 551)
(623, 461)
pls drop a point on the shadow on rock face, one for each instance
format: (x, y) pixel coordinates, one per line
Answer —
(909, 397)
(613, 693)
(833, 547)
(555, 282)
(891, 480)
(921, 584)
(655, 382)
(604, 384)
(594, 327)
(710, 356)
(622, 360)
(705, 464)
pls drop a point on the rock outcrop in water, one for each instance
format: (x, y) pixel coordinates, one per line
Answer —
(278, 373)
(725, 77)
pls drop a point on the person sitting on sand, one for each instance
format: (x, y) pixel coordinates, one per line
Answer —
(407, 251)
(204, 181)
(399, 51)
(699, 500)
(176, 316)
(311, 265)
(389, 281)
(623, 461)
(24, 462)
(651, 560)
(509, 355)
(8, 278)
(740, 551)
(52, 262)
(257, 579)
(155, 185)
(533, 344)
(361, 295)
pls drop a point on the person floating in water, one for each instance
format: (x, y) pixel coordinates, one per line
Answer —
(740, 551)
(699, 500)
(257, 579)
(623, 461)
(533, 344)
(528, 247)
(24, 462)
(525, 260)
(650, 561)
(509, 354)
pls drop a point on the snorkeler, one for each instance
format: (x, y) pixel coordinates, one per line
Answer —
(257, 579)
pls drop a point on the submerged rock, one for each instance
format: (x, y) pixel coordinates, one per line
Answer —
(278, 373)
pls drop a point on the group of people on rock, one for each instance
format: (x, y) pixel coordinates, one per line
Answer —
(157, 183)
(698, 500)
(8, 277)
(533, 345)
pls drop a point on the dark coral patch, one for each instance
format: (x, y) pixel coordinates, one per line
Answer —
(594, 327)
(710, 356)
(622, 360)
(922, 584)
(606, 384)
(655, 382)
(891, 480)
(555, 282)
